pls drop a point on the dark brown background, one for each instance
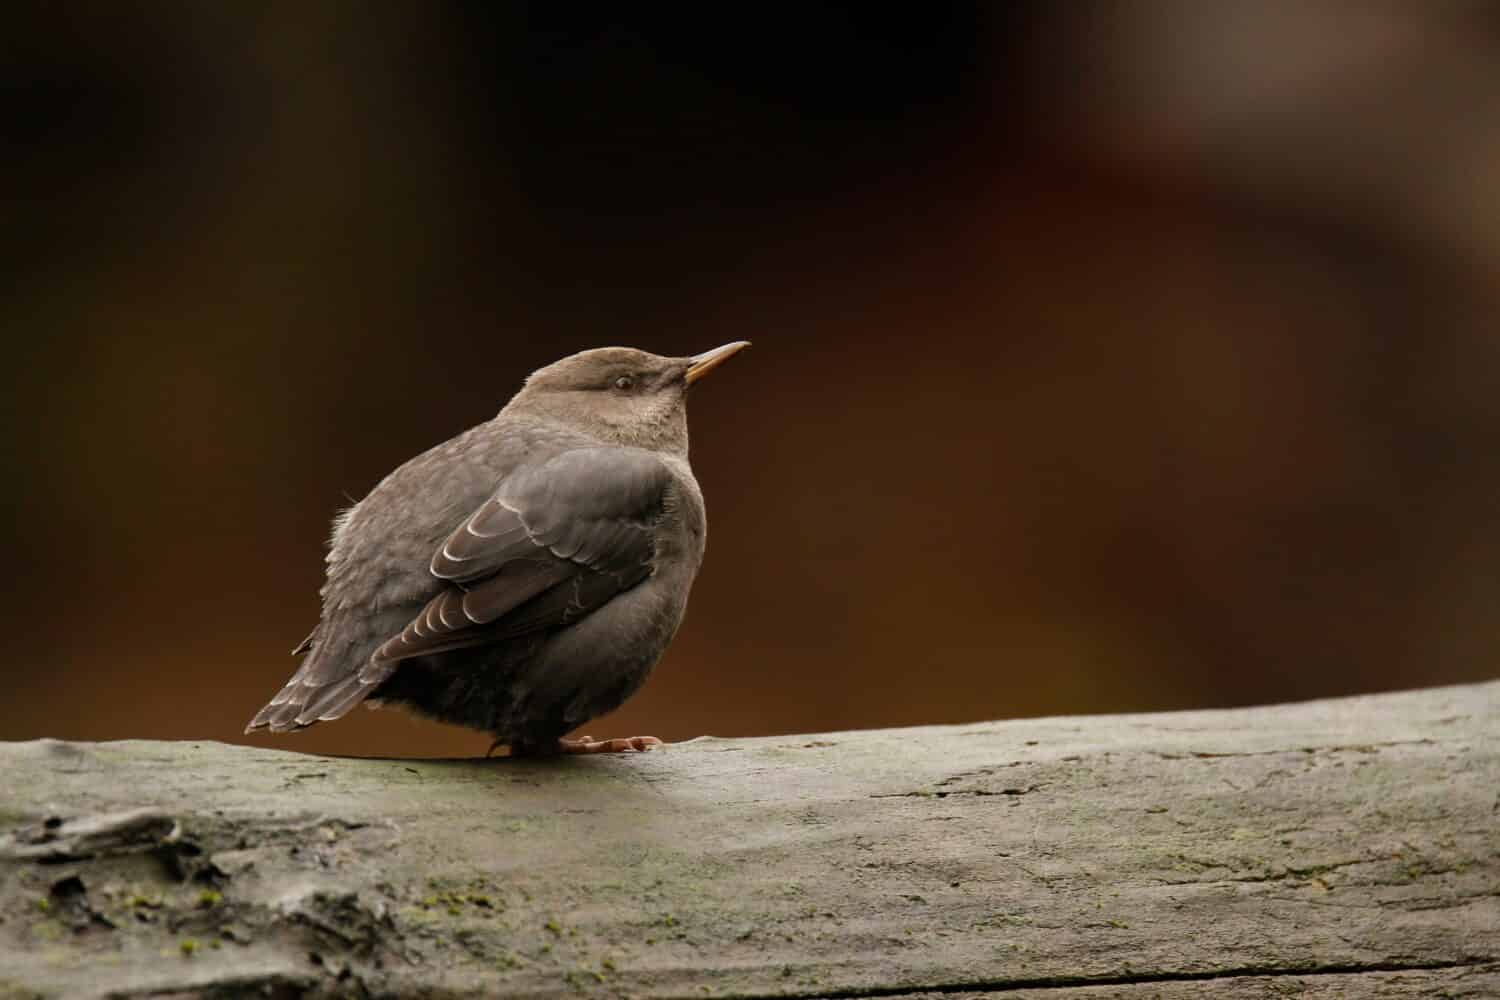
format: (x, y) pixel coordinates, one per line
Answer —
(1106, 356)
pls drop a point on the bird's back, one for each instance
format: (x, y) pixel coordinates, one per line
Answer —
(381, 548)
(380, 578)
(530, 689)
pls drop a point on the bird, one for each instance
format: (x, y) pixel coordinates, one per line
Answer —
(524, 577)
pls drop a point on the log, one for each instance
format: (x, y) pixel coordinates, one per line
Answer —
(1334, 848)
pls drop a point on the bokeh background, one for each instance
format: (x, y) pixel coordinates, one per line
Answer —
(1107, 356)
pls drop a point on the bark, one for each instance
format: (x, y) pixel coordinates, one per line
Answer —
(1335, 848)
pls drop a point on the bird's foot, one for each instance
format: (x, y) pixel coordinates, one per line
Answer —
(625, 744)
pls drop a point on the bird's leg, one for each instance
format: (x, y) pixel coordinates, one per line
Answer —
(626, 744)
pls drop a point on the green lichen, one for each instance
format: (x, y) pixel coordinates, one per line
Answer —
(48, 930)
(582, 978)
(453, 901)
(188, 947)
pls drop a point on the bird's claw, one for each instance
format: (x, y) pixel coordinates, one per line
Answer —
(625, 744)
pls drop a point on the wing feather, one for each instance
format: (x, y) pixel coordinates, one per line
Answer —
(557, 539)
(554, 542)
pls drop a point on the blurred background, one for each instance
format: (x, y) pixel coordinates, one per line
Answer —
(1107, 356)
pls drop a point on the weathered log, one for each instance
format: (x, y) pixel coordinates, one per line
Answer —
(1336, 848)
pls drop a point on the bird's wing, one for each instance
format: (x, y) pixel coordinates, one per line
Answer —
(555, 541)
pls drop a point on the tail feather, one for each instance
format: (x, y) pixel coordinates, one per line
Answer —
(339, 698)
(276, 718)
(305, 701)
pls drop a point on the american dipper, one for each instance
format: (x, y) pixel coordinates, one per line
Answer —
(523, 577)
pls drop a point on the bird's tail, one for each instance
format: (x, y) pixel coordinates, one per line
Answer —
(321, 690)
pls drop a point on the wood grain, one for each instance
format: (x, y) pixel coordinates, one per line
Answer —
(1335, 848)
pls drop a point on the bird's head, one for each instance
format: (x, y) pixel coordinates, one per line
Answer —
(620, 395)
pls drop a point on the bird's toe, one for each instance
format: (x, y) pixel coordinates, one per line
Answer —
(624, 744)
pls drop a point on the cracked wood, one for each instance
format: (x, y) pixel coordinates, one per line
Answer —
(1334, 848)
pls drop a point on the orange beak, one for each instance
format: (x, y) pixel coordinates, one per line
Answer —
(702, 364)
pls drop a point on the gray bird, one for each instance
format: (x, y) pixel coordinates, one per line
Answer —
(523, 577)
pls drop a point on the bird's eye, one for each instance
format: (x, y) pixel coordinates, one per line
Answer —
(625, 383)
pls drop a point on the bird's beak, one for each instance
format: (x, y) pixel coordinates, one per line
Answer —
(701, 364)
